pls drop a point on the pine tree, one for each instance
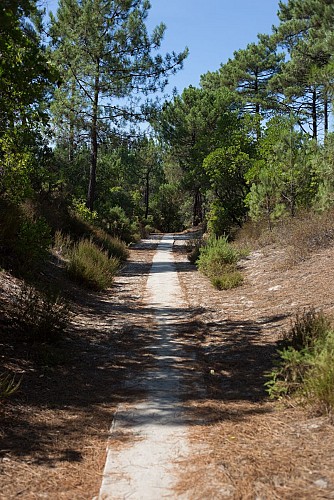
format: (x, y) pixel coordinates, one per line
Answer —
(106, 56)
(249, 74)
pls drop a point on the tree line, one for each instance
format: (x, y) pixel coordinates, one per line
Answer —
(253, 140)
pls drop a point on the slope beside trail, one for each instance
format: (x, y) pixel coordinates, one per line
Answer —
(155, 428)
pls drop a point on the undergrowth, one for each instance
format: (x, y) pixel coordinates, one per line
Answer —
(38, 317)
(218, 260)
(91, 265)
(299, 236)
(306, 362)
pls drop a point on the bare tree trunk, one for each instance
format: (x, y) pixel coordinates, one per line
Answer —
(314, 115)
(147, 193)
(94, 147)
(326, 111)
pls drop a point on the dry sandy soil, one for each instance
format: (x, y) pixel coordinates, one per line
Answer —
(53, 432)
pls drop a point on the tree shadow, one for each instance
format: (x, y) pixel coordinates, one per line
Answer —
(117, 354)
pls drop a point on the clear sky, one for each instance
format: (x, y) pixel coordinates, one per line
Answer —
(211, 29)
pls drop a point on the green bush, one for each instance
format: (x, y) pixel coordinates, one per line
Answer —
(309, 328)
(38, 317)
(91, 266)
(218, 260)
(25, 237)
(119, 225)
(319, 381)
(306, 366)
(228, 280)
(193, 248)
(34, 240)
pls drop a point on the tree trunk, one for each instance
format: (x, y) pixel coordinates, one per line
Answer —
(147, 193)
(314, 114)
(94, 146)
(197, 208)
(326, 111)
(71, 126)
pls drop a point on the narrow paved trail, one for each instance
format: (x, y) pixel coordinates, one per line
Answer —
(143, 464)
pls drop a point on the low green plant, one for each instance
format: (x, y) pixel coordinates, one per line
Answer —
(8, 385)
(309, 327)
(119, 224)
(91, 265)
(39, 317)
(228, 280)
(218, 260)
(306, 366)
(319, 382)
(83, 212)
(288, 376)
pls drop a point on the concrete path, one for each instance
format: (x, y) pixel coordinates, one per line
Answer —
(155, 430)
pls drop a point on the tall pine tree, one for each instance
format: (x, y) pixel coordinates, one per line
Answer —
(107, 58)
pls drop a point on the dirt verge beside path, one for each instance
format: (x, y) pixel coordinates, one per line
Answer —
(249, 447)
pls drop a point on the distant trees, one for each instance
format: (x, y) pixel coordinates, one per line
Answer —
(253, 140)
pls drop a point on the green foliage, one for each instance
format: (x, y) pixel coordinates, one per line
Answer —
(309, 328)
(8, 385)
(166, 205)
(119, 225)
(106, 55)
(218, 260)
(39, 317)
(83, 212)
(228, 280)
(280, 181)
(306, 365)
(249, 74)
(290, 373)
(25, 237)
(217, 250)
(91, 265)
(319, 383)
(322, 162)
(34, 240)
(15, 168)
(193, 248)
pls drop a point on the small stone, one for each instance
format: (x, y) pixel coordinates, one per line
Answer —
(321, 483)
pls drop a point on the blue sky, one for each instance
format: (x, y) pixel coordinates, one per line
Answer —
(211, 29)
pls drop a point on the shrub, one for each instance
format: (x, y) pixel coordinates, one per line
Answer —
(228, 280)
(63, 243)
(90, 265)
(38, 317)
(216, 255)
(319, 381)
(119, 225)
(306, 366)
(309, 328)
(34, 240)
(218, 260)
